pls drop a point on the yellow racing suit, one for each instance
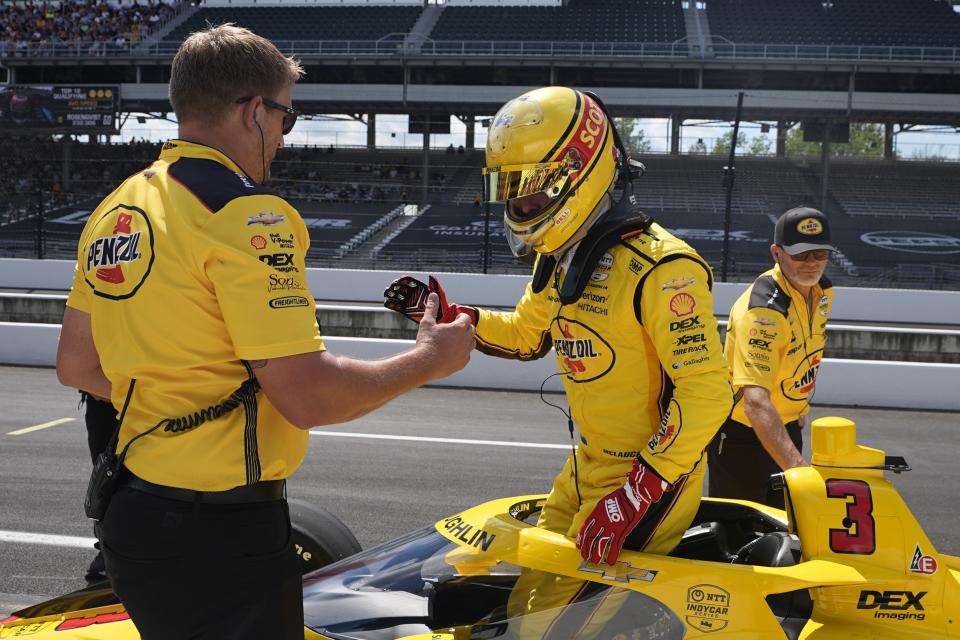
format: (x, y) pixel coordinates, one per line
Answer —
(644, 375)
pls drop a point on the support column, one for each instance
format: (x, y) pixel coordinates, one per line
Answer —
(888, 141)
(65, 182)
(675, 122)
(426, 163)
(781, 138)
(371, 131)
(825, 169)
(471, 123)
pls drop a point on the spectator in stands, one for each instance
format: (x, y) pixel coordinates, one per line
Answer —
(627, 308)
(775, 339)
(84, 25)
(196, 535)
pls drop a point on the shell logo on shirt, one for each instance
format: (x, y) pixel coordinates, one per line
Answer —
(581, 353)
(119, 253)
(682, 304)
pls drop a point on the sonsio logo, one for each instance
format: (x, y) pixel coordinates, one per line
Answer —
(809, 226)
(289, 301)
(682, 304)
(119, 258)
(912, 241)
(580, 351)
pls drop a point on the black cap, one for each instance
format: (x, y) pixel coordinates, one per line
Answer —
(802, 229)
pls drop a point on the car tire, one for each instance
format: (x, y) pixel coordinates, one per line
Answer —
(319, 537)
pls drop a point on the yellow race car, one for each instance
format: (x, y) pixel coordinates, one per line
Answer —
(846, 560)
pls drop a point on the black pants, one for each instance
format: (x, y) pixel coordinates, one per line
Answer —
(189, 570)
(739, 466)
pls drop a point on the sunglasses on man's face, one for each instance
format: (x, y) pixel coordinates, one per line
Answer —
(814, 254)
(290, 114)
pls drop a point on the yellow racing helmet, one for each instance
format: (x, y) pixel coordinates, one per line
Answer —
(551, 157)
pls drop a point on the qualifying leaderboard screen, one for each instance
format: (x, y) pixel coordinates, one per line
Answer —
(66, 109)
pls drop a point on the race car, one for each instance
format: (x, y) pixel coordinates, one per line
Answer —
(845, 560)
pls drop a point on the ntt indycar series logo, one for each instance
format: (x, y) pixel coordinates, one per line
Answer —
(912, 241)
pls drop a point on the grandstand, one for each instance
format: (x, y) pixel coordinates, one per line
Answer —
(800, 61)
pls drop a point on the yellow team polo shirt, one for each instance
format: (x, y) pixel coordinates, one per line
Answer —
(776, 342)
(187, 270)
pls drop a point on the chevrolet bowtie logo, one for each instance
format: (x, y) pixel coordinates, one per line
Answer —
(623, 571)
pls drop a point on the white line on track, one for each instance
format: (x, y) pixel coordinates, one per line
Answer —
(488, 443)
(87, 543)
(24, 537)
(38, 427)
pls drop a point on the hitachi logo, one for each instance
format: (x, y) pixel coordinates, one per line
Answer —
(109, 252)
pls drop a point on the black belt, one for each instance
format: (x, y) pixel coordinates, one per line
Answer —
(263, 491)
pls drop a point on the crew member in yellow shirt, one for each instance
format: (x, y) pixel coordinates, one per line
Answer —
(190, 310)
(774, 345)
(628, 311)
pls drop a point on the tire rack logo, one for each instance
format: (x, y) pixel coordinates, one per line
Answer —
(912, 241)
(580, 351)
(799, 386)
(922, 563)
(120, 256)
(708, 608)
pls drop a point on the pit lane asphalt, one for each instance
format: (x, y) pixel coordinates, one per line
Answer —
(383, 488)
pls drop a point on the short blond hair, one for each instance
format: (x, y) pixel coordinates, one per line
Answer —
(216, 66)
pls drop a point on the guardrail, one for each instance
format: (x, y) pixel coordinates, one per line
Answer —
(391, 46)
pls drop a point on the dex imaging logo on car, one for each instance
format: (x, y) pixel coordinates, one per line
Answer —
(893, 605)
(912, 241)
(120, 254)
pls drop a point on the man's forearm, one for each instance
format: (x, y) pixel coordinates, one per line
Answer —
(772, 433)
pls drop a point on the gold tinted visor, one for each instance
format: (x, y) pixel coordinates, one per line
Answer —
(519, 180)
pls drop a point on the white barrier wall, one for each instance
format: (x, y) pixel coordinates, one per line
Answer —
(865, 383)
(902, 306)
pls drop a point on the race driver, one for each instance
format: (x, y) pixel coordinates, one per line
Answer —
(627, 309)
(774, 345)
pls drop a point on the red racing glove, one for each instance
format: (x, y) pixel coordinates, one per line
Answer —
(408, 296)
(615, 516)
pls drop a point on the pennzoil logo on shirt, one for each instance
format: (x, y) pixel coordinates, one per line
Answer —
(801, 383)
(581, 353)
(119, 254)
